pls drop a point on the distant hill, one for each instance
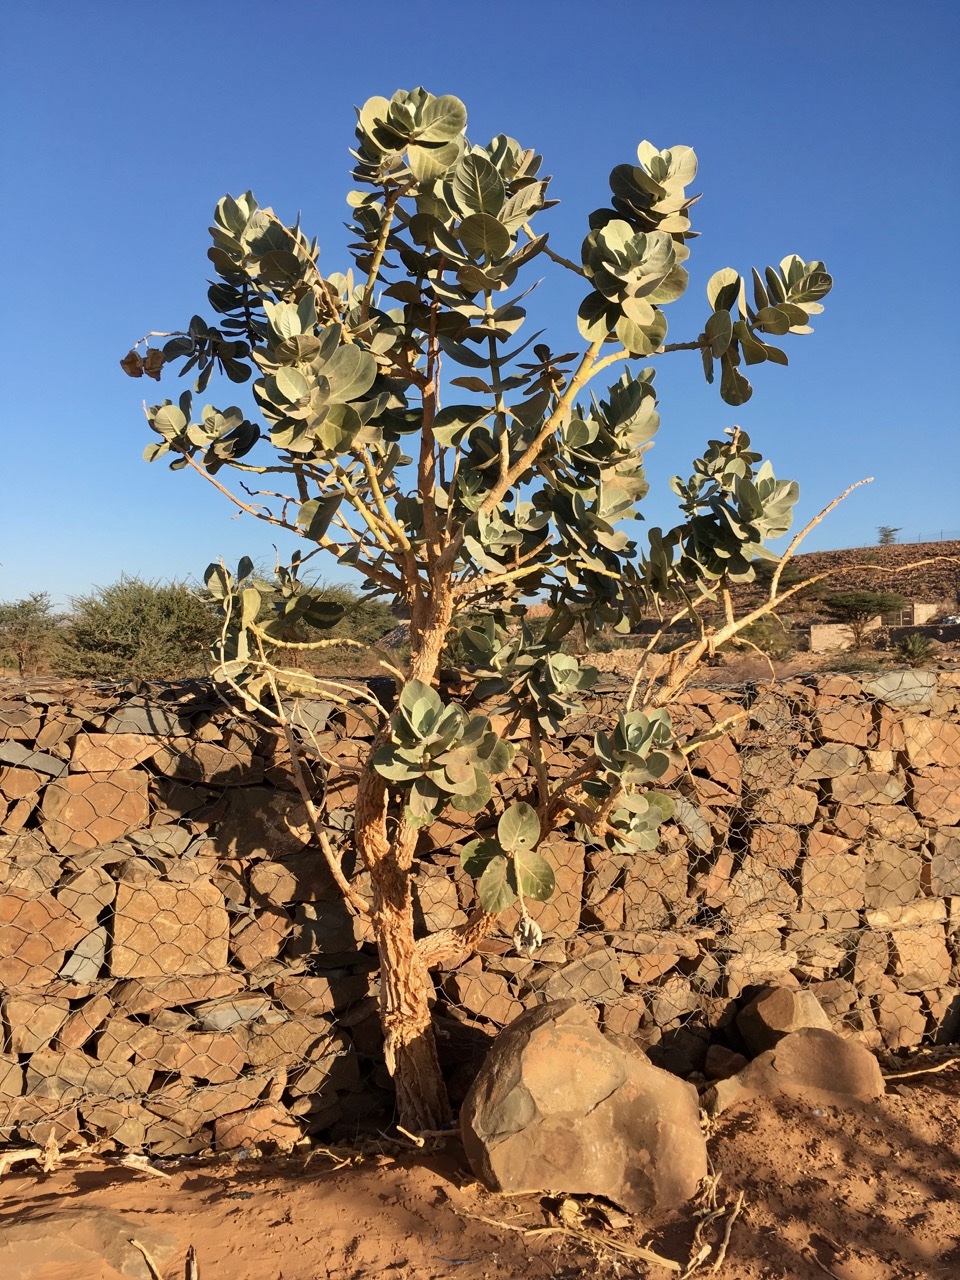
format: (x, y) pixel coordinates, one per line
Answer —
(937, 583)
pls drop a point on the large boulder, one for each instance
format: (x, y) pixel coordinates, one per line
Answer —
(560, 1107)
(777, 1011)
(812, 1064)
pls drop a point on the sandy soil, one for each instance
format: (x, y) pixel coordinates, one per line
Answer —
(870, 1192)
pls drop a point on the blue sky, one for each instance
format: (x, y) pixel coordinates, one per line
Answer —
(829, 130)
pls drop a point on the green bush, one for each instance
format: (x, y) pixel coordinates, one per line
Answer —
(915, 648)
(29, 634)
(772, 637)
(138, 630)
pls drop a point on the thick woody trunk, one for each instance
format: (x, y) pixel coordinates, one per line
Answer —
(405, 985)
(405, 989)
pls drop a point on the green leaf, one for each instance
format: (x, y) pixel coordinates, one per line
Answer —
(518, 828)
(351, 372)
(535, 878)
(169, 420)
(291, 384)
(595, 317)
(427, 164)
(475, 800)
(477, 186)
(314, 516)
(250, 602)
(493, 887)
(442, 120)
(723, 288)
(476, 856)
(719, 332)
(642, 340)
(481, 233)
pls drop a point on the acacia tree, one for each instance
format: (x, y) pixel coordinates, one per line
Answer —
(858, 609)
(29, 632)
(462, 496)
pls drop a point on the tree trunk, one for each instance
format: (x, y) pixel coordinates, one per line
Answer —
(410, 1048)
(405, 989)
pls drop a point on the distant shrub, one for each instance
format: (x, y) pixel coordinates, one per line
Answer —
(915, 648)
(29, 634)
(138, 630)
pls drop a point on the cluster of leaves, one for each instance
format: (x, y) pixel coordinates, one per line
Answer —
(733, 507)
(784, 301)
(521, 489)
(440, 755)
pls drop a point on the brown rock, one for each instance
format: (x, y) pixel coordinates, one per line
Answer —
(850, 722)
(11, 1077)
(35, 933)
(307, 997)
(921, 959)
(70, 1075)
(777, 1012)
(831, 761)
(33, 1021)
(265, 1125)
(900, 1016)
(892, 875)
(263, 822)
(260, 938)
(148, 995)
(162, 928)
(930, 741)
(721, 1062)
(656, 885)
(16, 784)
(83, 1022)
(110, 752)
(486, 994)
(276, 1045)
(935, 795)
(84, 810)
(193, 761)
(795, 806)
(945, 863)
(832, 882)
(813, 1064)
(87, 892)
(593, 978)
(867, 788)
(776, 845)
(559, 1107)
(83, 1242)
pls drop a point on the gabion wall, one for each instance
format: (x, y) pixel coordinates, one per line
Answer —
(178, 971)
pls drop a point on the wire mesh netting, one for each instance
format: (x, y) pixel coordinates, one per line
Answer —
(179, 970)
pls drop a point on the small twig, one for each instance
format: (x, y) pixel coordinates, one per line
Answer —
(812, 1257)
(151, 1265)
(922, 1071)
(718, 1262)
(142, 1165)
(636, 1252)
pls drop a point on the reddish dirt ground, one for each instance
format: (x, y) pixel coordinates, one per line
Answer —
(869, 1192)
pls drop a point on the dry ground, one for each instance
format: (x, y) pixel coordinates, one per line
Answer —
(871, 1192)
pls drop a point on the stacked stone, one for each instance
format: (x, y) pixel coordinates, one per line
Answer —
(179, 971)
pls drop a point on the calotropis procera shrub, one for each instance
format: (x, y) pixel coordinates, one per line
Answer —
(401, 423)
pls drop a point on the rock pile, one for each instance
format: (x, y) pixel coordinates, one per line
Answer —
(178, 969)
